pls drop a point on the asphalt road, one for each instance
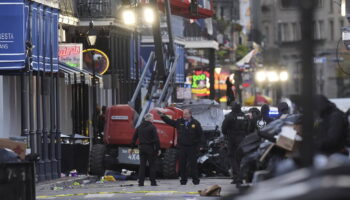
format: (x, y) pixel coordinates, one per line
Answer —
(129, 190)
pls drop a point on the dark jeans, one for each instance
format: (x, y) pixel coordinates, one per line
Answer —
(188, 157)
(147, 154)
(233, 145)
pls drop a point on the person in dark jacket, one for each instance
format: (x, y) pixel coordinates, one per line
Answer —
(189, 138)
(235, 127)
(229, 93)
(149, 147)
(283, 110)
(254, 116)
(265, 118)
(330, 127)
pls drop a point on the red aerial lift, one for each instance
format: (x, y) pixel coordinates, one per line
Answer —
(122, 120)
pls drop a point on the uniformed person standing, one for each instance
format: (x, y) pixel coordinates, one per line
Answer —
(189, 140)
(235, 128)
(149, 147)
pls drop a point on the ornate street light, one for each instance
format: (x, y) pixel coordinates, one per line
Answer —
(91, 35)
(91, 39)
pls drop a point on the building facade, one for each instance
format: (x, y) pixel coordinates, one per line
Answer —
(280, 26)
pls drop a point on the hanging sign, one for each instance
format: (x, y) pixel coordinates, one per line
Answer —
(71, 55)
(100, 60)
(12, 34)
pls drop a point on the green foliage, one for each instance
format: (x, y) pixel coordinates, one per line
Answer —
(241, 51)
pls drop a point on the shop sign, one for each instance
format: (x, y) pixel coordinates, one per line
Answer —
(12, 34)
(71, 55)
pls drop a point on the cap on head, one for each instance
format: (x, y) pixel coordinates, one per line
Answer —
(265, 110)
(236, 107)
(283, 108)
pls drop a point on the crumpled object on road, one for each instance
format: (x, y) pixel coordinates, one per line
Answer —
(213, 190)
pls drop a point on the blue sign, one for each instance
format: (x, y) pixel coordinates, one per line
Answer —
(12, 34)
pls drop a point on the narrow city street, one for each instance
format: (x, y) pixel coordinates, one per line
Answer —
(167, 189)
(175, 99)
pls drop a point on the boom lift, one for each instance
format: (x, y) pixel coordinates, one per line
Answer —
(122, 120)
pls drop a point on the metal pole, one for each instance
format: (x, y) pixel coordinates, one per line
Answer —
(170, 29)
(58, 126)
(157, 36)
(44, 111)
(31, 108)
(52, 110)
(29, 67)
(94, 104)
(306, 49)
(139, 85)
(211, 72)
(40, 166)
(24, 105)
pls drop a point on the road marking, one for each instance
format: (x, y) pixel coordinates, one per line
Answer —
(98, 195)
(148, 193)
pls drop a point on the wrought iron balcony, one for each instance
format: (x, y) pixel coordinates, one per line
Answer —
(68, 8)
(97, 8)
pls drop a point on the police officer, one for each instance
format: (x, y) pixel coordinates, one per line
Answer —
(235, 127)
(189, 139)
(149, 146)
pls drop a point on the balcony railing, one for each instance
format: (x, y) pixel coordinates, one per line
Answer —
(68, 8)
(97, 8)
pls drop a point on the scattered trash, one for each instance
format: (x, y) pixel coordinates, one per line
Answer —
(76, 183)
(116, 175)
(73, 173)
(57, 188)
(127, 172)
(127, 185)
(63, 175)
(213, 190)
(100, 182)
(86, 181)
(109, 178)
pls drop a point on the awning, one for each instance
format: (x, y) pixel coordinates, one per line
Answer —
(246, 59)
(72, 70)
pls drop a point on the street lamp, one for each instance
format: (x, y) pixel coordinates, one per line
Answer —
(130, 17)
(284, 76)
(91, 35)
(91, 39)
(260, 76)
(272, 76)
(148, 15)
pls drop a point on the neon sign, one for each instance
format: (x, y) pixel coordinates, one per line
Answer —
(199, 79)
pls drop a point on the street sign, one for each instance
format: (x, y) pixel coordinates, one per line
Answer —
(320, 60)
(12, 35)
(101, 61)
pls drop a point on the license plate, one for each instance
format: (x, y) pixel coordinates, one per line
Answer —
(125, 157)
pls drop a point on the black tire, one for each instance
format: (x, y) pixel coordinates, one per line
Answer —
(170, 164)
(96, 160)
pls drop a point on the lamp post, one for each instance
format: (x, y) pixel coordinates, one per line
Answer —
(91, 39)
(273, 77)
(132, 16)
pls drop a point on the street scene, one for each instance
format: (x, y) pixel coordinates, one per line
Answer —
(175, 99)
